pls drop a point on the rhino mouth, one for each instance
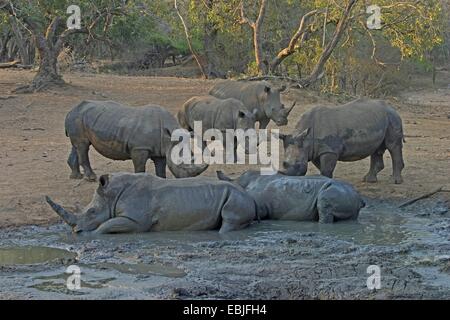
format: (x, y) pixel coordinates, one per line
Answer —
(66, 215)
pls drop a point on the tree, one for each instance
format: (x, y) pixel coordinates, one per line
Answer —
(44, 20)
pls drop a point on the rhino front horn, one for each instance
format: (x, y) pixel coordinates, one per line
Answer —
(68, 217)
(292, 107)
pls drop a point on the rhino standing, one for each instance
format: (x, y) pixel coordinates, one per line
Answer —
(214, 113)
(130, 203)
(257, 95)
(350, 132)
(120, 133)
(311, 198)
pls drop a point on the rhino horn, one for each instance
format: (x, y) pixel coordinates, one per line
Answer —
(68, 217)
(292, 107)
(222, 176)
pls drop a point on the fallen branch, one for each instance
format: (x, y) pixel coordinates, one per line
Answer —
(296, 81)
(6, 65)
(427, 195)
(7, 97)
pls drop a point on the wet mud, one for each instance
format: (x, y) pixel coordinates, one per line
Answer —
(269, 260)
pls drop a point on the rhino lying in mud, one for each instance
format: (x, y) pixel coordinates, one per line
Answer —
(351, 132)
(120, 133)
(130, 203)
(310, 198)
(257, 95)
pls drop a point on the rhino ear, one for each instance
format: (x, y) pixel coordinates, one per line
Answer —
(267, 89)
(167, 132)
(282, 136)
(302, 135)
(104, 181)
(241, 114)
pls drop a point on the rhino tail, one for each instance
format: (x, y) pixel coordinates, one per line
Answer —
(222, 176)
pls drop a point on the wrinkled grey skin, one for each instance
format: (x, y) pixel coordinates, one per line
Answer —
(214, 113)
(350, 132)
(120, 133)
(311, 198)
(130, 203)
(256, 95)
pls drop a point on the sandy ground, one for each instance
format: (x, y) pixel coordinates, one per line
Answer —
(269, 260)
(34, 148)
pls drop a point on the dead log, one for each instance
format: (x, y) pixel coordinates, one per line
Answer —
(424, 196)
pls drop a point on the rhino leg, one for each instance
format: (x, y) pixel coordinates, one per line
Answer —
(160, 166)
(264, 123)
(83, 158)
(397, 162)
(376, 165)
(139, 158)
(74, 164)
(118, 225)
(237, 213)
(328, 163)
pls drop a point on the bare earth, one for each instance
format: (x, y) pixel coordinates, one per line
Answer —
(34, 148)
(269, 260)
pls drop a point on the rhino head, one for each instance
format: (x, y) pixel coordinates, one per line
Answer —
(97, 212)
(273, 108)
(297, 149)
(181, 170)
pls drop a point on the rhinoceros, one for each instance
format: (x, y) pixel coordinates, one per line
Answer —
(120, 132)
(214, 113)
(350, 132)
(141, 202)
(256, 95)
(309, 198)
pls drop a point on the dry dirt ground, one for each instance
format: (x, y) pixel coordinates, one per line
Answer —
(269, 260)
(34, 148)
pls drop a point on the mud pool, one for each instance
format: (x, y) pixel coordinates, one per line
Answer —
(269, 260)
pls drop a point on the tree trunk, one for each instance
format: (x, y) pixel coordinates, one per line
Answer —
(21, 42)
(189, 42)
(257, 35)
(317, 72)
(4, 46)
(47, 74)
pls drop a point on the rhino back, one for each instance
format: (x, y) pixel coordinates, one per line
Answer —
(247, 92)
(114, 130)
(180, 204)
(289, 198)
(354, 130)
(214, 113)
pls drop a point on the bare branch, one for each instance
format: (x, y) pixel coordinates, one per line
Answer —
(188, 39)
(293, 43)
(340, 28)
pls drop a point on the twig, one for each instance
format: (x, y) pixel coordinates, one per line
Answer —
(427, 195)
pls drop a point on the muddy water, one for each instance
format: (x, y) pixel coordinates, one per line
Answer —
(33, 255)
(271, 259)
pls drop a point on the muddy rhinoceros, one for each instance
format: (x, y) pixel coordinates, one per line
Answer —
(120, 132)
(215, 113)
(310, 198)
(127, 203)
(256, 95)
(351, 132)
